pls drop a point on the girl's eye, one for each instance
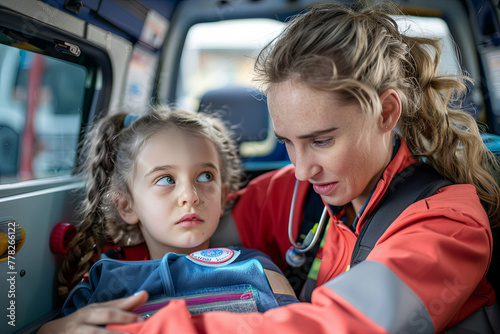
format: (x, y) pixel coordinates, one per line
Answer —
(205, 177)
(166, 180)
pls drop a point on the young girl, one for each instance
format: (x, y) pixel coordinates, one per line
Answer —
(163, 180)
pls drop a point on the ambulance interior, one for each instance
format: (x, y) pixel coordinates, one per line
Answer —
(66, 63)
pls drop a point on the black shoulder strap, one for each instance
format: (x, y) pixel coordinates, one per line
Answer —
(416, 182)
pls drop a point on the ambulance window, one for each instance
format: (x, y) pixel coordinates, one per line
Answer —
(41, 101)
(219, 54)
(222, 53)
(433, 27)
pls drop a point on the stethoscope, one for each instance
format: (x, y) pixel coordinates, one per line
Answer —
(295, 255)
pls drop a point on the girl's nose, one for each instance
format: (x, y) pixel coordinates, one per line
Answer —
(188, 196)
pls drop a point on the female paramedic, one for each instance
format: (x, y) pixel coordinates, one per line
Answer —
(360, 107)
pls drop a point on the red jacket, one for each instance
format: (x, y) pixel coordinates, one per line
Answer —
(425, 274)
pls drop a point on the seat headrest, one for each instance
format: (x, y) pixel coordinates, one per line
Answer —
(243, 107)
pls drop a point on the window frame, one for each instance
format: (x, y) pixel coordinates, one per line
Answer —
(98, 85)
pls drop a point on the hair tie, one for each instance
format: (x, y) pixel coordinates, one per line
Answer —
(129, 119)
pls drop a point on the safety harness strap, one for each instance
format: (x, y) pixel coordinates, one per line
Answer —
(416, 182)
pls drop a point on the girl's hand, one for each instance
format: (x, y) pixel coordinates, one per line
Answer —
(89, 318)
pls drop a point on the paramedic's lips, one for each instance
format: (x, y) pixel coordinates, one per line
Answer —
(190, 220)
(325, 188)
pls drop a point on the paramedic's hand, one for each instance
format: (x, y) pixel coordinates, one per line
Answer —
(89, 318)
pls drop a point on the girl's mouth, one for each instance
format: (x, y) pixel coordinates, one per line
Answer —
(190, 220)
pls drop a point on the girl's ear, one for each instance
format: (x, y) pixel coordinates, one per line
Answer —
(391, 110)
(124, 207)
(224, 193)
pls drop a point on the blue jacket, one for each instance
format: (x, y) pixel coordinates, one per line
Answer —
(218, 279)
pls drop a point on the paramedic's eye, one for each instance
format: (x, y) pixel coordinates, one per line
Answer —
(282, 140)
(323, 142)
(166, 180)
(205, 177)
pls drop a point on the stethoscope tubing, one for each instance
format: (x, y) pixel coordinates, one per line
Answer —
(324, 215)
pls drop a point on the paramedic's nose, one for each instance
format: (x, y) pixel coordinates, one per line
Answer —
(188, 196)
(305, 167)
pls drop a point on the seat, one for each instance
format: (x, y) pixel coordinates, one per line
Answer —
(244, 108)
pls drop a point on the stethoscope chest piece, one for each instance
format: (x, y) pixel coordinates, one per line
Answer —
(294, 258)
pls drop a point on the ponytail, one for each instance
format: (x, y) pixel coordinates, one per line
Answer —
(436, 128)
(100, 152)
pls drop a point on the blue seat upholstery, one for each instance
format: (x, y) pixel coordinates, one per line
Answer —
(492, 141)
(245, 110)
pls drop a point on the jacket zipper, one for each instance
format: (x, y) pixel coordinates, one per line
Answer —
(197, 301)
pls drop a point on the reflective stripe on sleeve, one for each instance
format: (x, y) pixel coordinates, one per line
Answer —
(379, 294)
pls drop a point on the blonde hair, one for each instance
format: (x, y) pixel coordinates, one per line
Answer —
(358, 54)
(111, 151)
